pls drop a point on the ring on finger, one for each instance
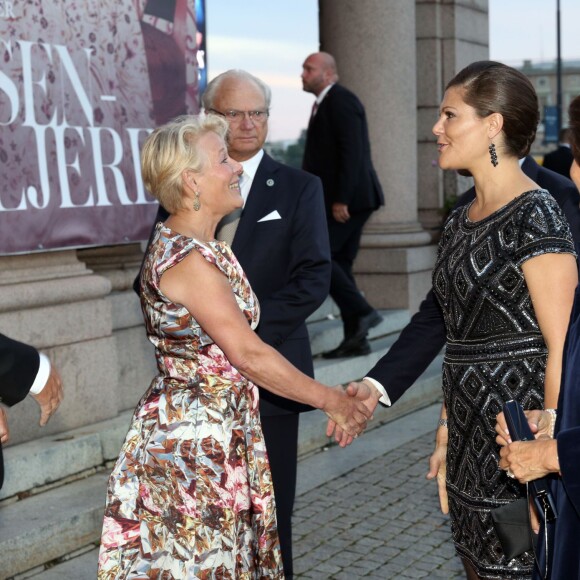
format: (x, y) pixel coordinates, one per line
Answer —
(510, 474)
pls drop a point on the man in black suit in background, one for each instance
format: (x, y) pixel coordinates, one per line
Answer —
(281, 241)
(561, 159)
(424, 337)
(338, 151)
(24, 370)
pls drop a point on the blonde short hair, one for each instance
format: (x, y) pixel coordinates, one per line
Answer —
(173, 148)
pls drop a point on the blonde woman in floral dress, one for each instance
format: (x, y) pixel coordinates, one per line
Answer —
(191, 493)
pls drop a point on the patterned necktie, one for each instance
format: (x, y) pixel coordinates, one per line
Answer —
(227, 227)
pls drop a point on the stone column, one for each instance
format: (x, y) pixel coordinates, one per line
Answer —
(136, 355)
(374, 46)
(450, 35)
(52, 301)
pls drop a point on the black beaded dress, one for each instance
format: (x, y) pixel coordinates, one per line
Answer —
(494, 352)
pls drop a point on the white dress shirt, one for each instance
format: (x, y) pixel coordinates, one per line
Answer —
(41, 376)
(250, 167)
(323, 94)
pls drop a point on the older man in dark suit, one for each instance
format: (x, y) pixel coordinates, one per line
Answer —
(281, 241)
(24, 370)
(338, 151)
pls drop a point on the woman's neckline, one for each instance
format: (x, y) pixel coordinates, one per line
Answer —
(468, 221)
(197, 239)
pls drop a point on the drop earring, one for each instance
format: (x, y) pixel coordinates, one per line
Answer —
(196, 204)
(493, 154)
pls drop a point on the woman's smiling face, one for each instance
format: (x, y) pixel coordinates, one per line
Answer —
(219, 181)
(462, 136)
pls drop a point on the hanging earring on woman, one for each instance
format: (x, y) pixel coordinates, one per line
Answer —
(493, 154)
(196, 203)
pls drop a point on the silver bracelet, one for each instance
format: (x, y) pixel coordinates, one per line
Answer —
(442, 422)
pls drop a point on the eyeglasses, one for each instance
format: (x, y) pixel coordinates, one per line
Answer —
(234, 116)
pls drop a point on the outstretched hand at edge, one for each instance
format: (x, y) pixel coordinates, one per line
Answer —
(50, 397)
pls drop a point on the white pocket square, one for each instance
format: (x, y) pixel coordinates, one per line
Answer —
(273, 215)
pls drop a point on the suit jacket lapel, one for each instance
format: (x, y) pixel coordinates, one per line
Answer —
(255, 207)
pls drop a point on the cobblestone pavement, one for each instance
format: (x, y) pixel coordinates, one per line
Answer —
(379, 521)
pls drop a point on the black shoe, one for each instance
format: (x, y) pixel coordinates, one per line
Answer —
(364, 324)
(349, 348)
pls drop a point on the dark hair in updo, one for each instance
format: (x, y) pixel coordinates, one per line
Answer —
(493, 87)
(574, 112)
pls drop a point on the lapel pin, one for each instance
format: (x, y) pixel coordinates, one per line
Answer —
(270, 182)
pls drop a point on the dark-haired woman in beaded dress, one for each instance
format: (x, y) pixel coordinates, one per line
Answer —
(505, 277)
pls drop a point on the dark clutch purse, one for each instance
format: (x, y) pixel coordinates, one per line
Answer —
(512, 521)
(512, 526)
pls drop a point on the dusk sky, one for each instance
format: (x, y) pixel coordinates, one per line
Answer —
(271, 39)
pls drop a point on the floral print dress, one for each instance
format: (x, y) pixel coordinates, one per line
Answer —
(191, 494)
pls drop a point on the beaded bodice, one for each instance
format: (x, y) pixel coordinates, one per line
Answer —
(478, 278)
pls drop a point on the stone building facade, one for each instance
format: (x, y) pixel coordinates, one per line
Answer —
(79, 307)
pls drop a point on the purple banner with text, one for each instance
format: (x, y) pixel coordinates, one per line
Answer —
(82, 84)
